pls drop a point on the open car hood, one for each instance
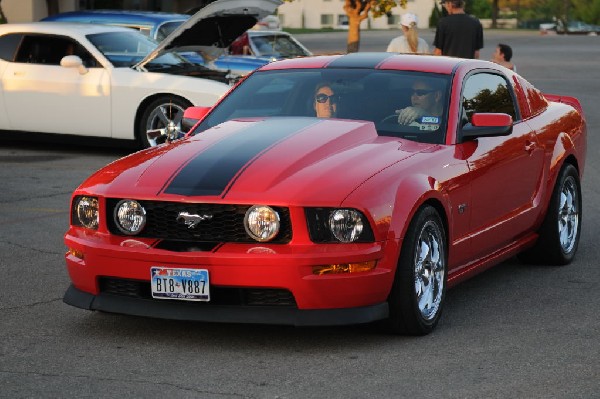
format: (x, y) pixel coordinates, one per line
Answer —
(214, 27)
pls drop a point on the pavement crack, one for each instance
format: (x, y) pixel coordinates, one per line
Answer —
(32, 305)
(127, 381)
(41, 251)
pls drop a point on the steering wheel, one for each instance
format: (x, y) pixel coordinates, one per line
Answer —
(388, 118)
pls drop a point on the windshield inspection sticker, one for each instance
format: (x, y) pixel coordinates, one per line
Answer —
(430, 119)
(429, 123)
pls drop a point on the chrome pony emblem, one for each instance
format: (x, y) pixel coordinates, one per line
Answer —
(192, 220)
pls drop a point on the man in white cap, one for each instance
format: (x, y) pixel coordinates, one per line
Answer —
(409, 42)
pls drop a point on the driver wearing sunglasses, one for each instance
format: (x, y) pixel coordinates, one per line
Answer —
(426, 107)
(325, 101)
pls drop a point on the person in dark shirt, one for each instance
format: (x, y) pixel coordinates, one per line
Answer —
(458, 34)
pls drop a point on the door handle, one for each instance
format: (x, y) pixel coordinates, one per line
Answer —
(529, 146)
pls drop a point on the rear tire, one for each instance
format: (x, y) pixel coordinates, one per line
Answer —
(560, 232)
(419, 288)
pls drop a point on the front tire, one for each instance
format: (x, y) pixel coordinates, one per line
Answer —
(419, 288)
(560, 232)
(163, 113)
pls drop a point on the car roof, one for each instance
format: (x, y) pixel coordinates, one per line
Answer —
(119, 16)
(392, 61)
(61, 28)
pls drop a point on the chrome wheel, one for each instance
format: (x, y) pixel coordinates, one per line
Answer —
(559, 233)
(568, 215)
(429, 270)
(417, 296)
(161, 121)
(166, 116)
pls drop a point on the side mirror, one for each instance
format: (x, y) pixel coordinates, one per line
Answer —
(192, 115)
(487, 125)
(73, 61)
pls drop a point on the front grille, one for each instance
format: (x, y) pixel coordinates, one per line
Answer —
(226, 223)
(231, 296)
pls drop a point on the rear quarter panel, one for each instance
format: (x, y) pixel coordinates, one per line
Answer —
(562, 132)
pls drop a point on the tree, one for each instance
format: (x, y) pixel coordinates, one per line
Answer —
(358, 10)
(52, 6)
(2, 16)
(495, 9)
(587, 11)
(479, 8)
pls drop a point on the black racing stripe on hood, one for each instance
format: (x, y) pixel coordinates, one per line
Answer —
(360, 60)
(213, 170)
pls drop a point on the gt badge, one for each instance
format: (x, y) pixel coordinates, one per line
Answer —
(192, 220)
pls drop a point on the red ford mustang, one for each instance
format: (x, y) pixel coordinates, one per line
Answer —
(429, 170)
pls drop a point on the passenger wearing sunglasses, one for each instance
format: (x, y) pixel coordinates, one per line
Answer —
(325, 101)
(426, 108)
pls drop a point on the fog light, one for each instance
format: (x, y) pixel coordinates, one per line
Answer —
(261, 223)
(130, 217)
(345, 268)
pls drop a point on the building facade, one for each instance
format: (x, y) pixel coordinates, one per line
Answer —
(319, 14)
(307, 14)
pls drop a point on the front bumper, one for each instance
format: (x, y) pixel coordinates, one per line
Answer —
(178, 310)
(97, 261)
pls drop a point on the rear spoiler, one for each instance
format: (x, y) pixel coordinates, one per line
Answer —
(572, 101)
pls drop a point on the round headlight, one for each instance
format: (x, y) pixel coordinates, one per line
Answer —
(87, 212)
(130, 217)
(346, 224)
(261, 223)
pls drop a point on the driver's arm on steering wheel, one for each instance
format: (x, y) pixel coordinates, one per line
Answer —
(408, 115)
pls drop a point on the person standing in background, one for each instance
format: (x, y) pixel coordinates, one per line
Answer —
(458, 34)
(409, 42)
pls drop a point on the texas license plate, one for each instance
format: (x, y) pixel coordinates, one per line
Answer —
(182, 284)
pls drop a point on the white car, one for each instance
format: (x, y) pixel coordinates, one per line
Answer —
(107, 81)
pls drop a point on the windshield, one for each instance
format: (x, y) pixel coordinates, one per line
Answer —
(124, 49)
(277, 46)
(361, 94)
(166, 29)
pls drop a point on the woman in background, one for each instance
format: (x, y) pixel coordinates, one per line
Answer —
(409, 42)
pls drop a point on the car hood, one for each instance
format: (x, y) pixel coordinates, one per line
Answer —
(278, 160)
(214, 27)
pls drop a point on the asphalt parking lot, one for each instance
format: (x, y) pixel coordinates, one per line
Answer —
(514, 331)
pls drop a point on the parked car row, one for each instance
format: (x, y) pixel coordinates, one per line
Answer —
(265, 42)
